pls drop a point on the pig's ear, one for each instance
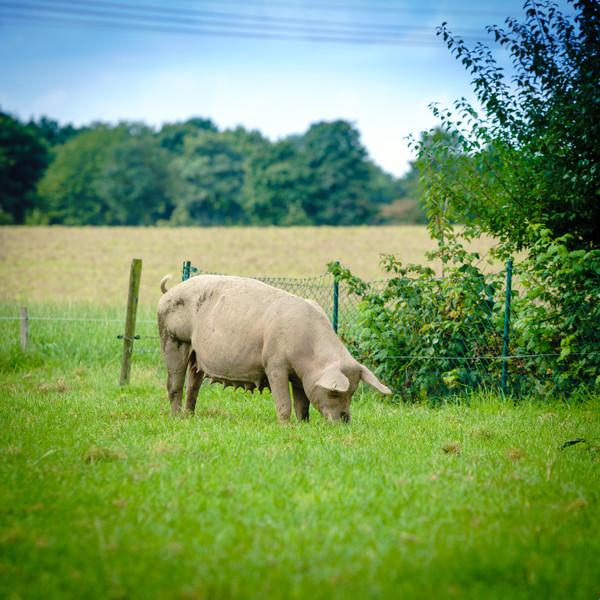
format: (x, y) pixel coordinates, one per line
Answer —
(369, 378)
(334, 380)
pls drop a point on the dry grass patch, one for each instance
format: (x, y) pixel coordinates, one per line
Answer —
(96, 454)
(451, 448)
(578, 504)
(58, 387)
(91, 264)
(164, 447)
(515, 454)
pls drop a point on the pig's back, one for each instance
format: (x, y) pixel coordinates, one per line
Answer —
(234, 317)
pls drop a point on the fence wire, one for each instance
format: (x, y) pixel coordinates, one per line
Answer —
(440, 336)
(481, 350)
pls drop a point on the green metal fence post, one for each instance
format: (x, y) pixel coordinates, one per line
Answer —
(185, 273)
(506, 336)
(336, 299)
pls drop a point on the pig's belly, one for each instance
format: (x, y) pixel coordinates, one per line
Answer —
(229, 360)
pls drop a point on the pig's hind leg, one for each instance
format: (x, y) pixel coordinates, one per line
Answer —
(195, 377)
(176, 355)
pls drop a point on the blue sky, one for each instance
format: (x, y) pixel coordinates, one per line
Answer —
(80, 73)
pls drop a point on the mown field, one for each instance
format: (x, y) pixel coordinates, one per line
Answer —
(91, 264)
(104, 495)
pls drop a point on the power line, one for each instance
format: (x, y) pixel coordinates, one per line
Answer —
(141, 18)
(117, 26)
(379, 8)
(180, 15)
(131, 25)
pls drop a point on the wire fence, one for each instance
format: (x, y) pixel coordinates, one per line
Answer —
(447, 336)
(482, 347)
(438, 336)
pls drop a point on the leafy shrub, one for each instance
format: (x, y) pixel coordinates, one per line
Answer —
(556, 322)
(427, 335)
(430, 336)
(521, 165)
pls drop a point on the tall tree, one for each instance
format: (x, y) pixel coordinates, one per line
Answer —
(275, 185)
(52, 131)
(530, 155)
(23, 158)
(172, 135)
(338, 192)
(71, 188)
(137, 182)
(212, 171)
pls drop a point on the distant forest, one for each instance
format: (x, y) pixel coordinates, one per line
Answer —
(192, 173)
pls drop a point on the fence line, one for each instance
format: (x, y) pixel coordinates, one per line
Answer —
(81, 319)
(479, 341)
(491, 357)
(343, 307)
(401, 356)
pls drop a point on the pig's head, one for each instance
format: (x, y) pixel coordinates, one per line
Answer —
(334, 387)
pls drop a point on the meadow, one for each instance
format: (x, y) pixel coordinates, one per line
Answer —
(104, 495)
(90, 265)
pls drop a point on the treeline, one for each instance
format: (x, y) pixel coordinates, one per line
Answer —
(191, 173)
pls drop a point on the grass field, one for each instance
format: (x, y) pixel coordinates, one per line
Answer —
(91, 264)
(104, 495)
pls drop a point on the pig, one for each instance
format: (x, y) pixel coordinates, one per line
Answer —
(245, 333)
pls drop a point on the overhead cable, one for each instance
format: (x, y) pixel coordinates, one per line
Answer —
(142, 18)
(186, 16)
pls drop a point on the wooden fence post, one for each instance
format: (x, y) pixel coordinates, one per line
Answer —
(24, 329)
(135, 275)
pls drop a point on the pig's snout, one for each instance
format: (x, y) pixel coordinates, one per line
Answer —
(342, 416)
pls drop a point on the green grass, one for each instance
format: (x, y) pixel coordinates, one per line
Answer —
(102, 494)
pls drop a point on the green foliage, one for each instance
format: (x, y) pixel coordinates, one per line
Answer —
(385, 188)
(23, 158)
(275, 185)
(530, 155)
(71, 189)
(323, 177)
(53, 132)
(137, 182)
(556, 320)
(172, 135)
(109, 176)
(525, 170)
(188, 173)
(338, 190)
(432, 336)
(212, 169)
(429, 335)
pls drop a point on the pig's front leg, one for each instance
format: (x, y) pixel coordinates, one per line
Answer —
(280, 388)
(301, 402)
